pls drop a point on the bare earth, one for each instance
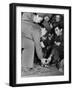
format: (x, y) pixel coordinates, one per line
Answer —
(42, 71)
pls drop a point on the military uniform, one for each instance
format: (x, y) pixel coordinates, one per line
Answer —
(30, 41)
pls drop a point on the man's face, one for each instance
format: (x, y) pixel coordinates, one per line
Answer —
(46, 18)
(37, 18)
(27, 16)
(58, 31)
(57, 18)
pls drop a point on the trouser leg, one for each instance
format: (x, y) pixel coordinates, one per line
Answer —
(27, 58)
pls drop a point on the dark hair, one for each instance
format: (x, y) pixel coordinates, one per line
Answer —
(35, 13)
(22, 13)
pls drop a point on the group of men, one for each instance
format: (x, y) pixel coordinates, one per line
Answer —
(52, 39)
(42, 34)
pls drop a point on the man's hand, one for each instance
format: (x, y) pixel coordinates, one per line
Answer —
(42, 45)
(57, 43)
(43, 60)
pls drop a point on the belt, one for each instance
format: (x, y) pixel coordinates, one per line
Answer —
(24, 35)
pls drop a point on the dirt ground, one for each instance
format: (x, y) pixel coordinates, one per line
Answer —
(42, 71)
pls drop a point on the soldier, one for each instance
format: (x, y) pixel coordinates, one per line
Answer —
(30, 33)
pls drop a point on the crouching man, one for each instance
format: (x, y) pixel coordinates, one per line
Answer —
(31, 33)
